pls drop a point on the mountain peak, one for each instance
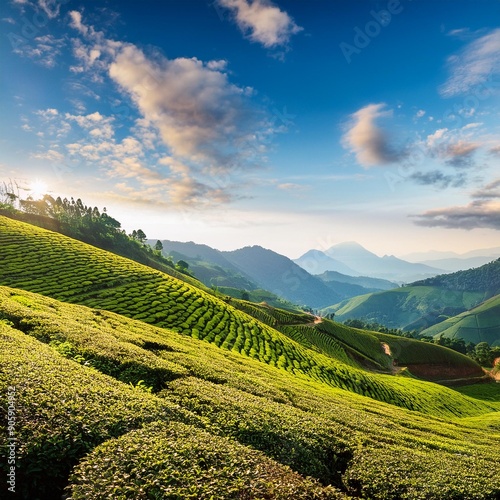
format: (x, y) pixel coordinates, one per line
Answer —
(349, 245)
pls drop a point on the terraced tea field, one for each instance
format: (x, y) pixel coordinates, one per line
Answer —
(120, 399)
(53, 265)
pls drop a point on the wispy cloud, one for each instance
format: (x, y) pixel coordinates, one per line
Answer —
(194, 131)
(292, 187)
(51, 155)
(438, 179)
(262, 22)
(460, 153)
(368, 141)
(474, 65)
(455, 147)
(482, 212)
(471, 216)
(489, 192)
(43, 50)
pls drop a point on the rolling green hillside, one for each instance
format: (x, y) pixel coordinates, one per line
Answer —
(144, 412)
(213, 275)
(422, 360)
(66, 269)
(409, 307)
(485, 278)
(219, 395)
(480, 324)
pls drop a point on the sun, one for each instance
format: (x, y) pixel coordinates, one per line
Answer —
(37, 189)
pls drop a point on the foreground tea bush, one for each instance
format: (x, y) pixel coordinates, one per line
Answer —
(63, 410)
(311, 445)
(178, 461)
(402, 474)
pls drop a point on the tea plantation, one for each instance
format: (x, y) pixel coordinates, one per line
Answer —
(198, 397)
(60, 267)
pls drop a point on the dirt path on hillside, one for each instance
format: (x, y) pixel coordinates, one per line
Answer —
(317, 321)
(386, 348)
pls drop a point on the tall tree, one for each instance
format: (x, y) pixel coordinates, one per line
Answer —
(141, 235)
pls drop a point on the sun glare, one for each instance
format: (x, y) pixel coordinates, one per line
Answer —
(37, 189)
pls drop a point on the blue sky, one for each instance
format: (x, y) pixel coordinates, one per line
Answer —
(289, 124)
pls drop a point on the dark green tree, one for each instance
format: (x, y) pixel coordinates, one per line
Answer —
(141, 235)
(482, 354)
(159, 246)
(182, 265)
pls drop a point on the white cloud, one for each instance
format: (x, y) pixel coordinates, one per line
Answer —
(262, 21)
(50, 155)
(43, 50)
(485, 214)
(47, 113)
(76, 22)
(478, 62)
(471, 125)
(369, 142)
(201, 116)
(220, 65)
(420, 113)
(433, 139)
(98, 125)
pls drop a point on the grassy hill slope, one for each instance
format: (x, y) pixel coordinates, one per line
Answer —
(480, 324)
(485, 278)
(66, 269)
(145, 412)
(409, 307)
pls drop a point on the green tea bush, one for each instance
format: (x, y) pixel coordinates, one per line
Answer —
(409, 474)
(84, 342)
(63, 411)
(309, 444)
(177, 461)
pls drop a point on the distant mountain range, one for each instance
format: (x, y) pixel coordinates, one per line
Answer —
(253, 268)
(452, 261)
(363, 281)
(318, 262)
(353, 259)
